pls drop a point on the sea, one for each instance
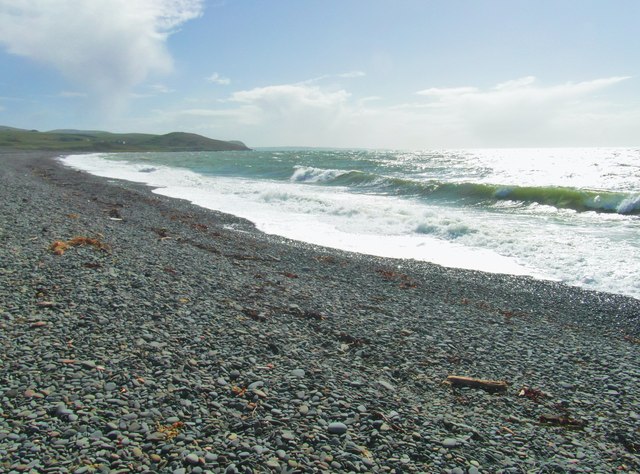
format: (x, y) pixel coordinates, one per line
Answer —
(565, 214)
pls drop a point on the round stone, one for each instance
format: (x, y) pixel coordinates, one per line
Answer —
(273, 463)
(156, 436)
(450, 443)
(337, 428)
(298, 373)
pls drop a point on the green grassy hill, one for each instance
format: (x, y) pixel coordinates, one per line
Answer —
(88, 141)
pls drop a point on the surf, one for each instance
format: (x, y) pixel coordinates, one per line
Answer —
(578, 222)
(467, 193)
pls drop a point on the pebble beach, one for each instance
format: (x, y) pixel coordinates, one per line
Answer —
(140, 333)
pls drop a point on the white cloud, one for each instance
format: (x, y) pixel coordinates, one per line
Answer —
(518, 92)
(293, 113)
(520, 112)
(516, 83)
(216, 78)
(517, 112)
(108, 46)
(280, 114)
(290, 97)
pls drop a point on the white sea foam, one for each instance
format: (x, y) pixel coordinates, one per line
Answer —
(374, 225)
(629, 205)
(309, 174)
(585, 249)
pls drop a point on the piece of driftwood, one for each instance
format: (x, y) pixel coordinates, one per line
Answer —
(488, 385)
(561, 420)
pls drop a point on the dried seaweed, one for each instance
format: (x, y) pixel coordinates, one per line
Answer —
(59, 247)
(406, 282)
(170, 431)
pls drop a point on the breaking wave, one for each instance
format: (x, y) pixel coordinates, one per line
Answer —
(579, 200)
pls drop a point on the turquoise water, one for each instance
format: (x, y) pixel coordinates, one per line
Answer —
(566, 214)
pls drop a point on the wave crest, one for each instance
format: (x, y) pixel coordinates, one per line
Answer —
(630, 205)
(309, 174)
(569, 198)
(475, 194)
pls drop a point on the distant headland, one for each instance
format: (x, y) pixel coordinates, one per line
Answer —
(98, 141)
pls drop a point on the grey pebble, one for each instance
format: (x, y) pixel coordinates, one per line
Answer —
(156, 436)
(337, 428)
(384, 384)
(210, 457)
(298, 373)
(273, 464)
(450, 442)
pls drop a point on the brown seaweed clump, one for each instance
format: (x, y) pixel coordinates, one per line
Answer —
(59, 247)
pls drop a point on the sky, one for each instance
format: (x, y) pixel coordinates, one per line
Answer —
(399, 74)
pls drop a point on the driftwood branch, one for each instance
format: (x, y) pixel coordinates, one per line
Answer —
(488, 385)
(561, 420)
